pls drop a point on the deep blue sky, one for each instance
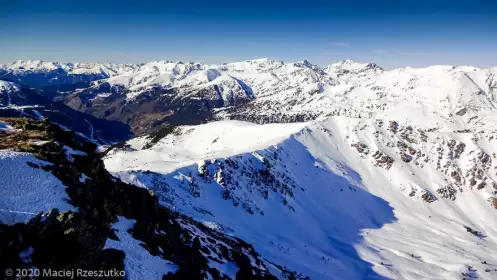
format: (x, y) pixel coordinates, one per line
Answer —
(392, 33)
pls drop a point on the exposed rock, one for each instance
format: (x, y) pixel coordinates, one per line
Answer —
(361, 147)
(493, 202)
(475, 232)
(383, 160)
(428, 196)
(405, 157)
(462, 112)
(393, 126)
(447, 192)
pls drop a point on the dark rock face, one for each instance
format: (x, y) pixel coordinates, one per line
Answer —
(58, 92)
(76, 239)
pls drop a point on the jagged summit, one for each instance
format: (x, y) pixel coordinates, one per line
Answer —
(353, 66)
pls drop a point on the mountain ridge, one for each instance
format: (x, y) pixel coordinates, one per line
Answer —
(439, 182)
(346, 171)
(265, 90)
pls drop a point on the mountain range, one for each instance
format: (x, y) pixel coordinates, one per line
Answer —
(263, 169)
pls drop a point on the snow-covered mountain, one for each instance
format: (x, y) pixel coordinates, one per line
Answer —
(195, 87)
(342, 198)
(37, 73)
(348, 171)
(369, 91)
(108, 69)
(268, 91)
(393, 174)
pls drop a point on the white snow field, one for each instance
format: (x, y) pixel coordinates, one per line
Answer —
(25, 191)
(196, 143)
(406, 204)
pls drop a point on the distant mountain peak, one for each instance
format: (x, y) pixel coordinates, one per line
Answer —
(262, 60)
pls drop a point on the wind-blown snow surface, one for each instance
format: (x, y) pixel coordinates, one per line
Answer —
(25, 190)
(342, 198)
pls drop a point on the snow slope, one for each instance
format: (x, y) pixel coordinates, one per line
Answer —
(25, 190)
(343, 198)
(196, 143)
(8, 87)
(444, 90)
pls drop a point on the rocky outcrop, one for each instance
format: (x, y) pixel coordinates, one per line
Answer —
(383, 160)
(262, 173)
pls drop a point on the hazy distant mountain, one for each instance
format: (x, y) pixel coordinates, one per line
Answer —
(37, 73)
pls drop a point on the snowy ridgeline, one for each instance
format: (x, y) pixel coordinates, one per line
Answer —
(281, 91)
(341, 198)
(269, 91)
